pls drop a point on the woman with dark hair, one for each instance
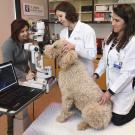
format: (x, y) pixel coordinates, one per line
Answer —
(13, 50)
(77, 35)
(119, 62)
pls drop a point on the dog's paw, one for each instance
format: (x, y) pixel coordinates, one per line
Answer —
(64, 116)
(60, 119)
(82, 125)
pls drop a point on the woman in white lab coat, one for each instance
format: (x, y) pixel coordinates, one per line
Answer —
(119, 62)
(77, 35)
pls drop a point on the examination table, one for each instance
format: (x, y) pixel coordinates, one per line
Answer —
(46, 124)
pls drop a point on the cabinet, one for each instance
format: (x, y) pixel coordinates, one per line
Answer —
(84, 9)
(89, 10)
(102, 13)
(103, 10)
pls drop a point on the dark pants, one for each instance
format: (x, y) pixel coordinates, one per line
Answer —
(120, 120)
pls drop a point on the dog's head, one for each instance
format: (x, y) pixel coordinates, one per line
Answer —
(65, 60)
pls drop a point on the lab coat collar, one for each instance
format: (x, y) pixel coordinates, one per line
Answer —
(76, 29)
(77, 26)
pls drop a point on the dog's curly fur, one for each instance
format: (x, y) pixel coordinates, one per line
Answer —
(79, 89)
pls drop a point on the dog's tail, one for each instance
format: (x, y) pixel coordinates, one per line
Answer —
(97, 116)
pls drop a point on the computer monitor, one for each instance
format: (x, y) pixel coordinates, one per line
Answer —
(7, 76)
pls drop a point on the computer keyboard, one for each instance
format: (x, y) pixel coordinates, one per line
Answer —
(16, 97)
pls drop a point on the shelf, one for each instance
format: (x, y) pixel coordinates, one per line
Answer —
(90, 11)
(105, 1)
(52, 1)
(103, 11)
(52, 13)
(83, 7)
(100, 22)
(102, 4)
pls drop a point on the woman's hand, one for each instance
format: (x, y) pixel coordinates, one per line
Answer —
(105, 98)
(95, 76)
(30, 75)
(67, 46)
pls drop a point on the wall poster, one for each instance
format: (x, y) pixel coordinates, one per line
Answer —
(32, 9)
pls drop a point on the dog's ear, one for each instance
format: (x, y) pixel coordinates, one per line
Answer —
(68, 59)
(50, 51)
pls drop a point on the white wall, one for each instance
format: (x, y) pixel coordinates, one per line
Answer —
(6, 17)
(102, 30)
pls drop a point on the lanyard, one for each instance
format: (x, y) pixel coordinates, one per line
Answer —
(133, 83)
(113, 44)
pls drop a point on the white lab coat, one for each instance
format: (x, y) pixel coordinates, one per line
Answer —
(84, 39)
(120, 71)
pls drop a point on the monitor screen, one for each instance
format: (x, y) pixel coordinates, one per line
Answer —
(7, 76)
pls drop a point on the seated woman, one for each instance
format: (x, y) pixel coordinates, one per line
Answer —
(13, 50)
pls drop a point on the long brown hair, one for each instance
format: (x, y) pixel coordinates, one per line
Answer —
(127, 13)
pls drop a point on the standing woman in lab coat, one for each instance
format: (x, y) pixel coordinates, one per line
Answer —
(77, 35)
(119, 62)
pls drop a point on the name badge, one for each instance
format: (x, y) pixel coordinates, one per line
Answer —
(117, 66)
(77, 38)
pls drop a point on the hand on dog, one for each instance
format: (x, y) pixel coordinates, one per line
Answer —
(67, 46)
(105, 98)
(30, 75)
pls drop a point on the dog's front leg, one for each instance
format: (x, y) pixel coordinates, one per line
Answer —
(83, 125)
(66, 112)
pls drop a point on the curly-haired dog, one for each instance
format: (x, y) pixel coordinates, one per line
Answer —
(79, 90)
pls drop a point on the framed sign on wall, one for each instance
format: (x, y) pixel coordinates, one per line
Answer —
(32, 9)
